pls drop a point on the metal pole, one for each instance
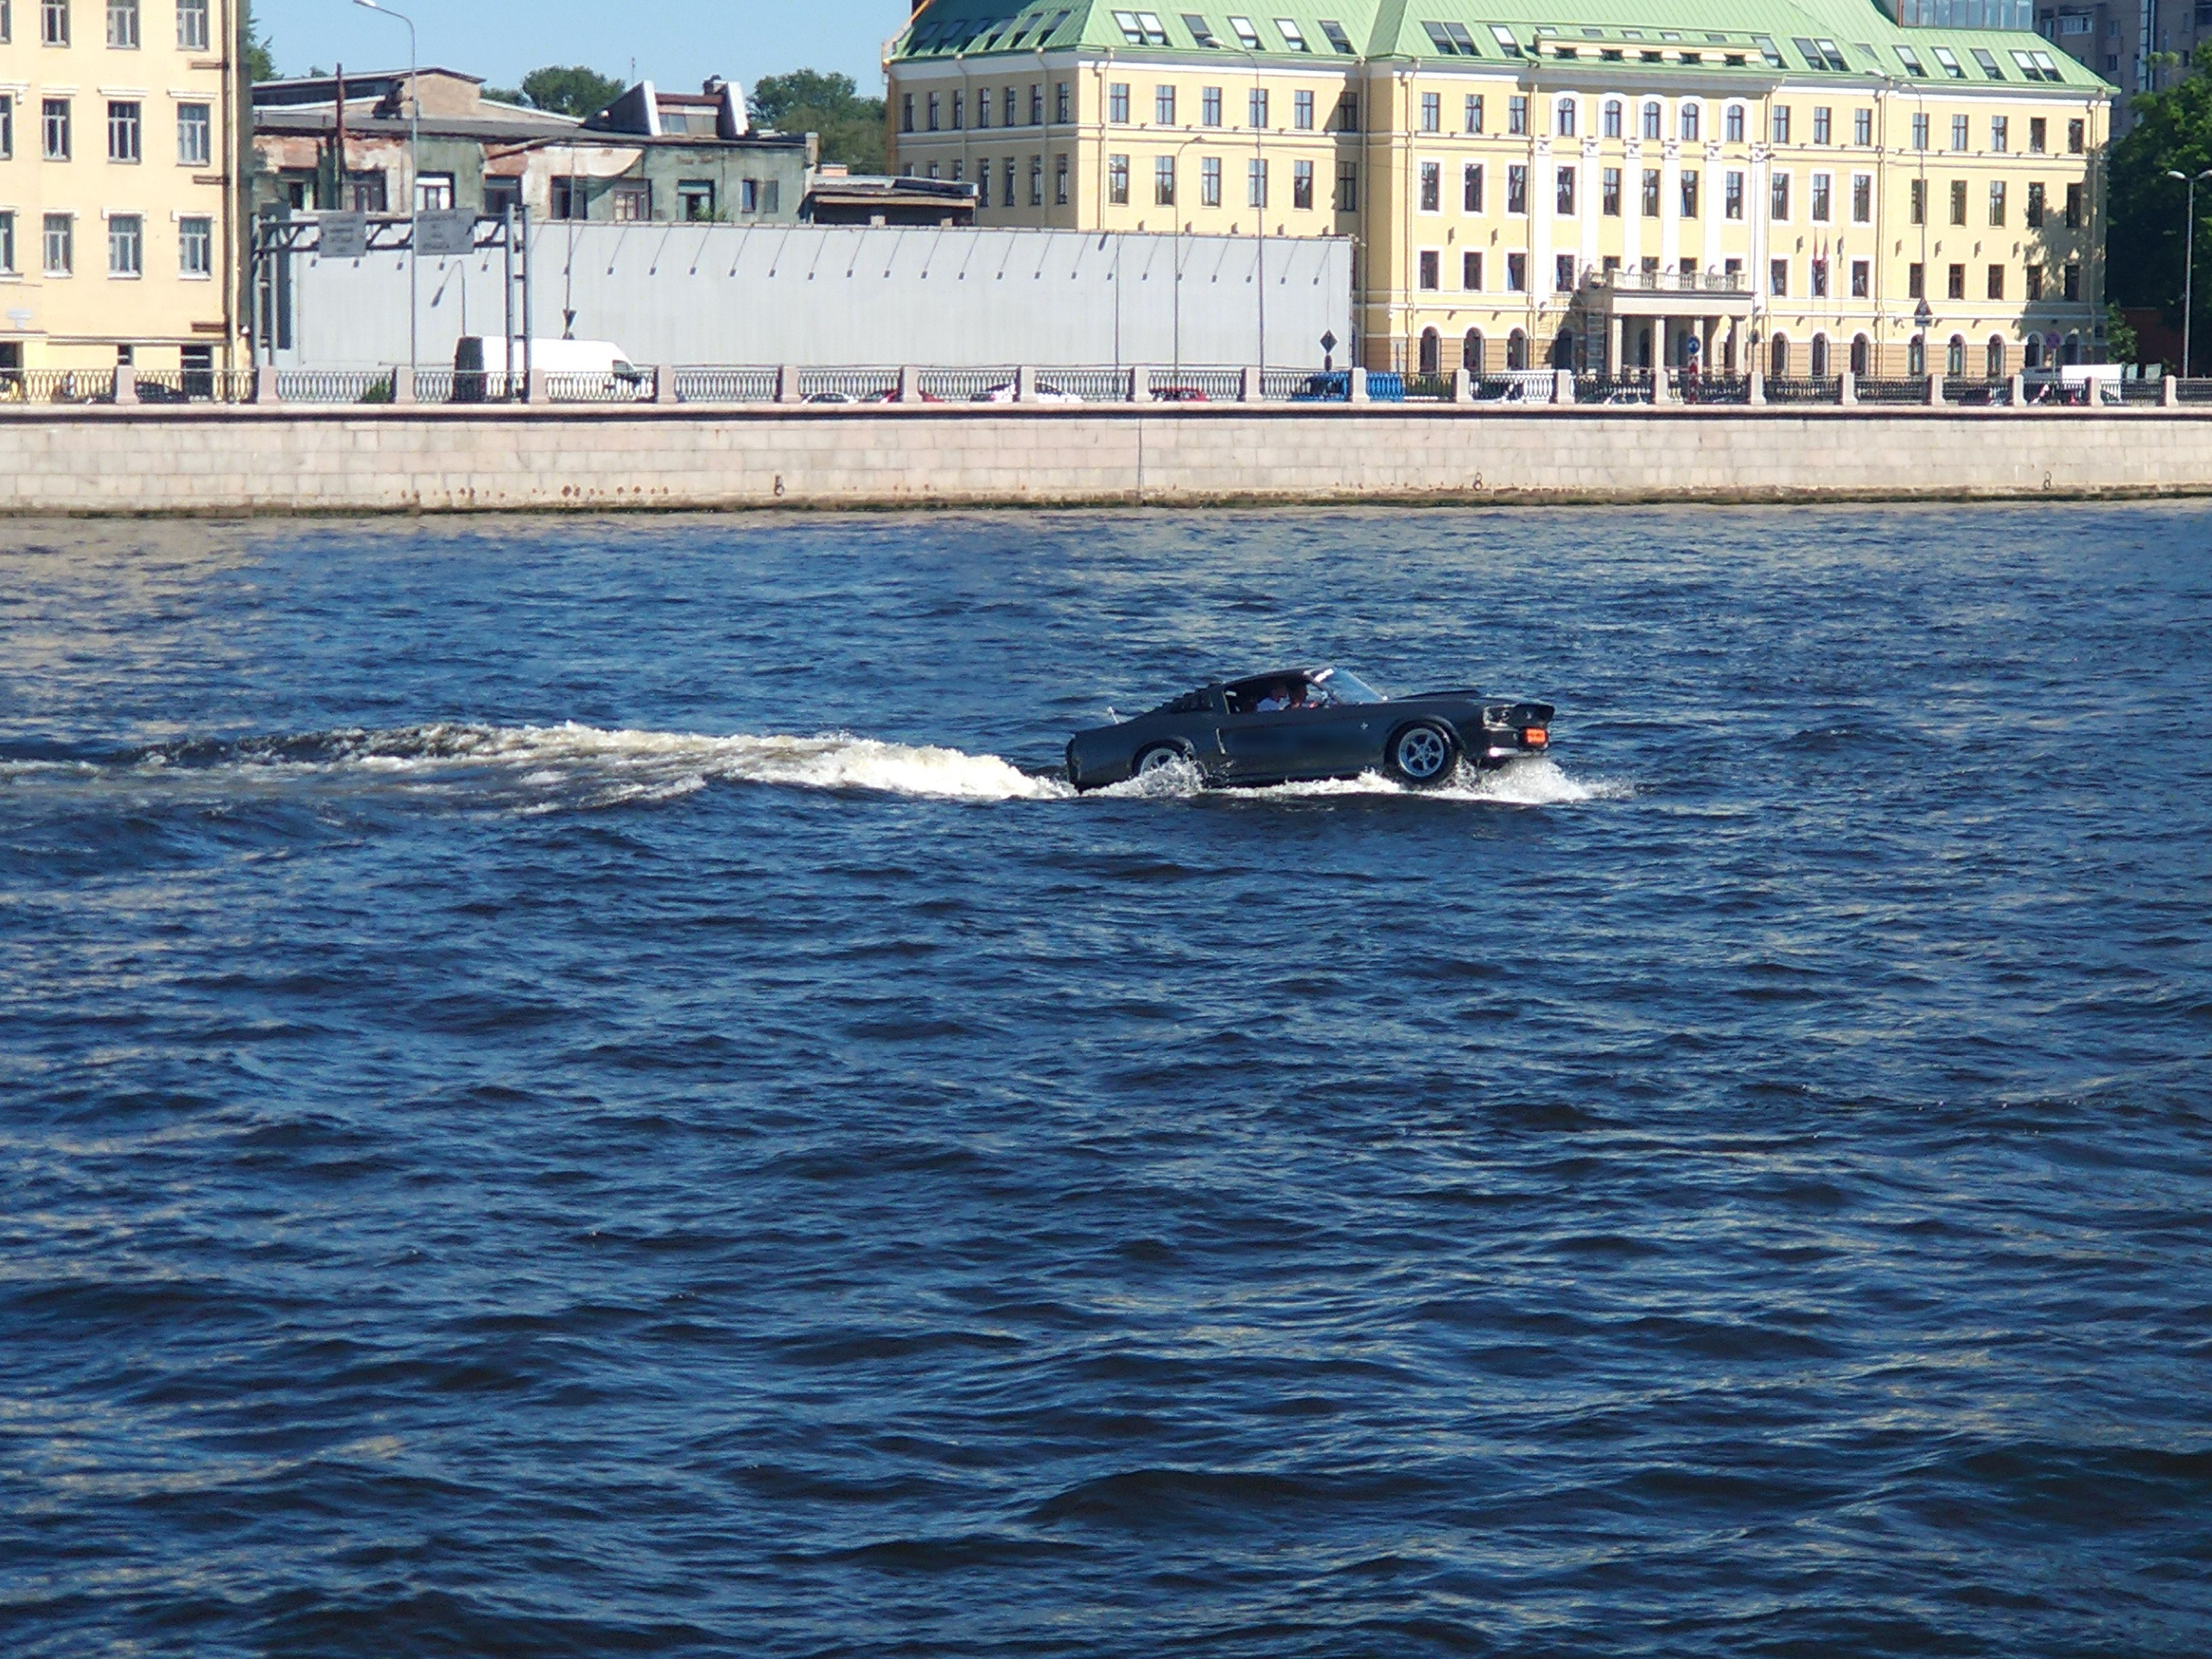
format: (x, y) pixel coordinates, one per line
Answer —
(2188, 275)
(414, 182)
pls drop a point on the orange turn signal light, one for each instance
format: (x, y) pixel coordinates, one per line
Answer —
(1535, 736)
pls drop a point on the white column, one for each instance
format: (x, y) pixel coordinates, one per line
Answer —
(1632, 202)
(1670, 204)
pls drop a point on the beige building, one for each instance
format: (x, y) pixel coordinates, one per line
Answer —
(119, 143)
(1810, 186)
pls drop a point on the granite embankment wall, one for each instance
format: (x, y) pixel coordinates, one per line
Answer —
(226, 461)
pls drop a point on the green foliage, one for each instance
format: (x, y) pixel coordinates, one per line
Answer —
(2146, 240)
(851, 127)
(2120, 345)
(260, 61)
(572, 91)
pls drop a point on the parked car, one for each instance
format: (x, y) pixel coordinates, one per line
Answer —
(1306, 723)
(605, 367)
(1045, 393)
(1334, 386)
(1178, 395)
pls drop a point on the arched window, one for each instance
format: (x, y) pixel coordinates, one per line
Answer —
(2034, 358)
(1566, 117)
(1652, 118)
(1993, 363)
(1471, 351)
(1916, 356)
(1777, 353)
(1431, 352)
(1954, 357)
(1735, 123)
(1690, 121)
(1862, 354)
(1517, 350)
(1820, 369)
(1612, 118)
(2072, 349)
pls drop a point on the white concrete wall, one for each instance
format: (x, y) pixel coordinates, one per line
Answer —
(222, 460)
(727, 294)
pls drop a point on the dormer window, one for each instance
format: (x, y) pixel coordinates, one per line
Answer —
(1246, 34)
(1292, 36)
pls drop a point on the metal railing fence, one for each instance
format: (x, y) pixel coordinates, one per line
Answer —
(848, 385)
(718, 386)
(57, 386)
(1911, 390)
(334, 385)
(1806, 389)
(598, 386)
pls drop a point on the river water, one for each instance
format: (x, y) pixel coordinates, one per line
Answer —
(579, 1087)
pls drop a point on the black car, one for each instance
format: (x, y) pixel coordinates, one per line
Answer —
(1311, 723)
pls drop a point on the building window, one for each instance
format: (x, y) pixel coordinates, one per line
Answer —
(1432, 187)
(1996, 282)
(1862, 279)
(502, 196)
(1516, 343)
(1690, 122)
(2077, 135)
(1012, 116)
(61, 241)
(1958, 202)
(1862, 127)
(1819, 367)
(1778, 208)
(1255, 182)
(6, 243)
(196, 246)
(124, 130)
(1301, 111)
(1958, 132)
(1993, 358)
(1689, 192)
(7, 123)
(1997, 201)
(1734, 123)
(1916, 281)
(1474, 112)
(1008, 196)
(195, 135)
(628, 203)
(1037, 180)
(1516, 189)
(122, 24)
(1563, 116)
(1777, 366)
(1210, 181)
(1516, 114)
(1609, 198)
(1820, 198)
(434, 194)
(1059, 181)
(1777, 275)
(1431, 111)
(1819, 272)
(53, 31)
(53, 129)
(1954, 357)
(1301, 185)
(959, 111)
(1649, 200)
(1916, 356)
(1862, 198)
(1516, 273)
(126, 245)
(1918, 207)
(1163, 107)
(1347, 188)
(933, 111)
(1471, 351)
(1955, 283)
(1118, 104)
(1037, 104)
(1609, 119)
(1563, 273)
(906, 113)
(1563, 190)
(1820, 124)
(1117, 180)
(1163, 181)
(1431, 261)
(1732, 194)
(2033, 277)
(983, 108)
(1209, 107)
(1061, 108)
(695, 201)
(1651, 120)
(2072, 278)
(2001, 134)
(2035, 208)
(571, 197)
(1919, 131)
(1471, 272)
(192, 25)
(1256, 109)
(1782, 124)
(2073, 207)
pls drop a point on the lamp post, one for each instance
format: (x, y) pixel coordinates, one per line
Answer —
(414, 178)
(2189, 258)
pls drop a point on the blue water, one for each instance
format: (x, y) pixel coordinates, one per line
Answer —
(511, 1146)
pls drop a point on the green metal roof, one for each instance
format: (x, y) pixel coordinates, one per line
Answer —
(1803, 39)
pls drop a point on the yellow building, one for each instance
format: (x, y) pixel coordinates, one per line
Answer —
(118, 150)
(1802, 186)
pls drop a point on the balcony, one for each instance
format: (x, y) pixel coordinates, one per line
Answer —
(1667, 282)
(1666, 294)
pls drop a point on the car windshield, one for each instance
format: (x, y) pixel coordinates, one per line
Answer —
(1342, 685)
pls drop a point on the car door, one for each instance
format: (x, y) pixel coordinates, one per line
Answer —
(1295, 743)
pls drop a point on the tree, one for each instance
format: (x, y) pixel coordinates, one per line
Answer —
(2144, 238)
(806, 100)
(260, 61)
(573, 91)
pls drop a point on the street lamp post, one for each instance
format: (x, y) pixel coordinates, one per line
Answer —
(2189, 258)
(414, 179)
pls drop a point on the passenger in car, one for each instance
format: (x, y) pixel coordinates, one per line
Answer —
(1279, 697)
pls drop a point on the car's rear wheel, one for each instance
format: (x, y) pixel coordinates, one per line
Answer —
(1422, 754)
(1161, 756)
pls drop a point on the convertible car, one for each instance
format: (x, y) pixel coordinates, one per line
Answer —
(1311, 723)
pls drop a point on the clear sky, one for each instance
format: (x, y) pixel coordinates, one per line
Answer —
(675, 43)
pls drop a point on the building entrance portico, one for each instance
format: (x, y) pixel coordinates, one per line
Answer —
(1649, 318)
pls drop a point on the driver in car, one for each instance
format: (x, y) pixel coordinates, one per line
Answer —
(1288, 694)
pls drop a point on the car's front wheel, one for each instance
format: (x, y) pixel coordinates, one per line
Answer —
(1161, 756)
(1422, 754)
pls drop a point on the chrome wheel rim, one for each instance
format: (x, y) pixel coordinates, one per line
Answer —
(1422, 752)
(1158, 760)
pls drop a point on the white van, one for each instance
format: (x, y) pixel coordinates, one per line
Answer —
(593, 369)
